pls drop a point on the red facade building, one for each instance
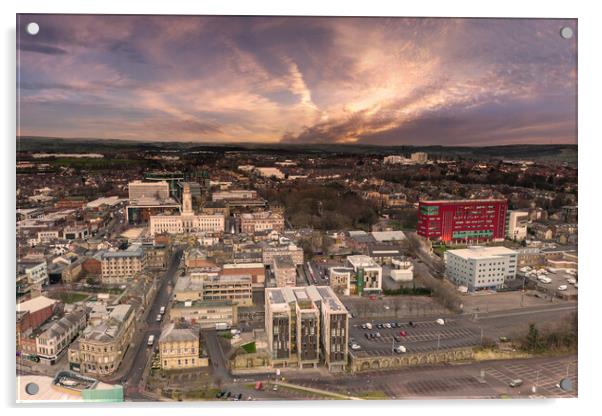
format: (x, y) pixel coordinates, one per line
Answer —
(468, 221)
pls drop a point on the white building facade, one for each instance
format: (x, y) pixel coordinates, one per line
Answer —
(481, 267)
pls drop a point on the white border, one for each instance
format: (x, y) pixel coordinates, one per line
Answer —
(590, 72)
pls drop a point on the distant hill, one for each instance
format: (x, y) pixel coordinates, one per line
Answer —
(558, 153)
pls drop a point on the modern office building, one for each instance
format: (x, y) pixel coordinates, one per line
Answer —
(369, 274)
(479, 267)
(340, 280)
(139, 190)
(208, 287)
(305, 326)
(463, 221)
(516, 225)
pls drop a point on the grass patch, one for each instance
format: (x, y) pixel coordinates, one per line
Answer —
(373, 395)
(208, 394)
(225, 335)
(70, 297)
(481, 354)
(249, 348)
(410, 291)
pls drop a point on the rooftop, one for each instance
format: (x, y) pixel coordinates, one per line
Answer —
(479, 252)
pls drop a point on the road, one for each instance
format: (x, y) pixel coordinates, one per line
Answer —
(143, 352)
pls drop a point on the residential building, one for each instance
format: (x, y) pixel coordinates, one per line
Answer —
(368, 273)
(402, 270)
(304, 325)
(285, 271)
(479, 267)
(102, 345)
(179, 348)
(251, 223)
(469, 220)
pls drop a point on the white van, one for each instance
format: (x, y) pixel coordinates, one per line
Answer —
(151, 340)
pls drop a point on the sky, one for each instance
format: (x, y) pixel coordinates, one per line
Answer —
(219, 79)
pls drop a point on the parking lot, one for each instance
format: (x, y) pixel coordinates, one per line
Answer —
(558, 278)
(425, 336)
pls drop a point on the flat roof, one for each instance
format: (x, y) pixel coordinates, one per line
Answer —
(35, 304)
(461, 201)
(478, 252)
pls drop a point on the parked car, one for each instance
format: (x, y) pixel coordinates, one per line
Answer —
(387, 325)
(400, 349)
(159, 317)
(403, 333)
(412, 324)
(516, 382)
(151, 340)
(378, 335)
(562, 288)
(440, 321)
(397, 338)
(367, 335)
(275, 387)
(228, 394)
(238, 397)
(355, 347)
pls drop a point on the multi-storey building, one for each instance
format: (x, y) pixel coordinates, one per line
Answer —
(251, 223)
(516, 225)
(180, 224)
(35, 270)
(209, 287)
(255, 270)
(103, 344)
(204, 313)
(369, 274)
(55, 339)
(419, 157)
(284, 271)
(480, 267)
(234, 194)
(157, 189)
(179, 348)
(470, 220)
(292, 250)
(306, 325)
(117, 267)
(340, 280)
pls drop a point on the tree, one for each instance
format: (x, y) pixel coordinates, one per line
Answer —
(533, 340)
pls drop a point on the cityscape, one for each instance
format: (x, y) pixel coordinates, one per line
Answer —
(221, 231)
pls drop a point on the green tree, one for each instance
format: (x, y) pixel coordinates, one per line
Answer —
(533, 340)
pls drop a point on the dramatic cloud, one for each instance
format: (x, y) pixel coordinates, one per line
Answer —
(298, 79)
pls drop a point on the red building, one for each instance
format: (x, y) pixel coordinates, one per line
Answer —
(468, 221)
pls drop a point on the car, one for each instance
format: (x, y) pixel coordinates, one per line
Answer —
(372, 335)
(369, 326)
(275, 388)
(363, 326)
(403, 333)
(571, 280)
(397, 325)
(562, 288)
(151, 340)
(355, 347)
(440, 321)
(387, 325)
(159, 317)
(220, 394)
(387, 307)
(397, 338)
(238, 397)
(228, 394)
(504, 339)
(367, 335)
(250, 398)
(400, 349)
(378, 335)
(516, 382)
(379, 326)
(412, 324)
